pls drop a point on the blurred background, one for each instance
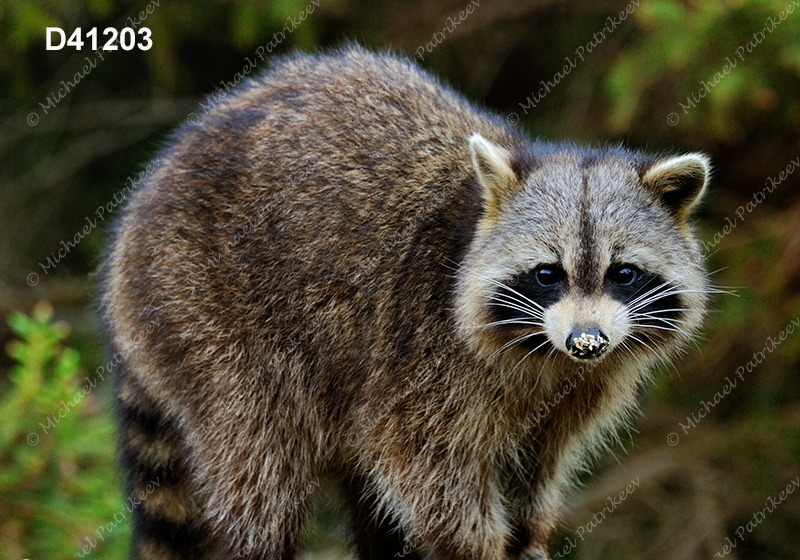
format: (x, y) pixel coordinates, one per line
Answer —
(718, 76)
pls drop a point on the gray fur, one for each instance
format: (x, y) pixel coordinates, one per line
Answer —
(320, 254)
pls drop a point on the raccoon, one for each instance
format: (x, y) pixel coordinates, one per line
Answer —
(359, 275)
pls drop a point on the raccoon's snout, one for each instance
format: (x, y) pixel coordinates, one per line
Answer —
(587, 344)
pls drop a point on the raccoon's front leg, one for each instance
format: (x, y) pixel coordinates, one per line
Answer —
(541, 463)
(374, 538)
(470, 524)
(539, 500)
(534, 523)
(540, 526)
(565, 439)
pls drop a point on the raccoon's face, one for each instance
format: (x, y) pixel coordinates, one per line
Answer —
(587, 256)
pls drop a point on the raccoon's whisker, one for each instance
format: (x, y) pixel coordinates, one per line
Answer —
(455, 266)
(668, 320)
(643, 305)
(665, 311)
(711, 290)
(508, 322)
(513, 291)
(666, 324)
(529, 353)
(514, 342)
(719, 290)
(493, 294)
(549, 356)
(656, 297)
(650, 315)
(660, 359)
(530, 312)
(524, 297)
(625, 346)
(671, 329)
(648, 293)
(510, 344)
(521, 298)
(660, 295)
(651, 290)
(634, 356)
(642, 342)
(658, 291)
(711, 254)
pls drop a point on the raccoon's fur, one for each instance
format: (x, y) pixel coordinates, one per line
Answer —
(359, 275)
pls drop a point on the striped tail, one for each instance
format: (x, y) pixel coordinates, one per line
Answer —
(159, 497)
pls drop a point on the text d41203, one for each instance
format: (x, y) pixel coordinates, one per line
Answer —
(127, 39)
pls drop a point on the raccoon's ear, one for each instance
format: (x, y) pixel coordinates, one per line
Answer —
(679, 182)
(493, 168)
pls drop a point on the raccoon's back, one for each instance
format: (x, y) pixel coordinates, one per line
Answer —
(326, 200)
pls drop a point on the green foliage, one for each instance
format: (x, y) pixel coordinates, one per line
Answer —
(679, 59)
(57, 481)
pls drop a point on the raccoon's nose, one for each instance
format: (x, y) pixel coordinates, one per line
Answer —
(587, 344)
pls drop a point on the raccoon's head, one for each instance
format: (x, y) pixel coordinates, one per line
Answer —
(583, 255)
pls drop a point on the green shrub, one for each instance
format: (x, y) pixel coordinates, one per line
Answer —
(58, 483)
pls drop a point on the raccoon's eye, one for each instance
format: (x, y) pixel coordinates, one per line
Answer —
(549, 274)
(623, 274)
